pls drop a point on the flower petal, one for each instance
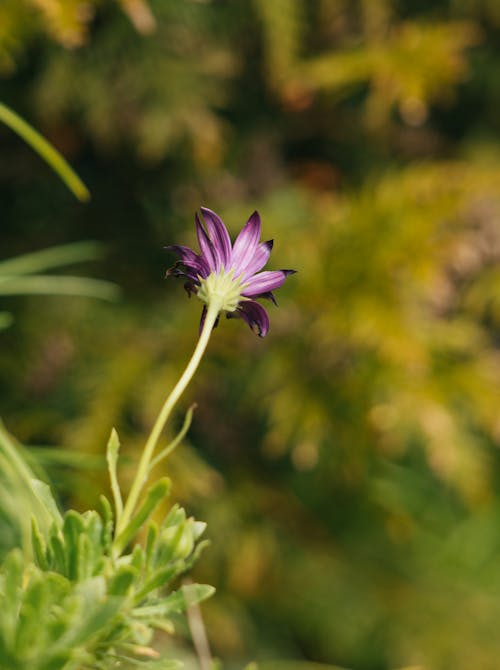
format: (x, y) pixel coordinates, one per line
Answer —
(190, 259)
(206, 246)
(246, 244)
(269, 296)
(256, 317)
(191, 288)
(204, 316)
(218, 234)
(202, 319)
(263, 282)
(180, 270)
(259, 259)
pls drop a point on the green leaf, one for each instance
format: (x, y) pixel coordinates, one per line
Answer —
(107, 516)
(160, 578)
(59, 285)
(53, 257)
(59, 557)
(153, 532)
(85, 566)
(296, 665)
(196, 593)
(200, 547)
(160, 664)
(13, 569)
(122, 580)
(138, 557)
(72, 529)
(21, 495)
(177, 602)
(153, 497)
(39, 546)
(177, 439)
(44, 494)
(98, 610)
(112, 451)
(45, 151)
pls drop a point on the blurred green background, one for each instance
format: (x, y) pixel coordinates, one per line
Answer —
(348, 464)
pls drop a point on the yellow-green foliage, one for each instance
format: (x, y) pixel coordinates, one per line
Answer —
(66, 21)
(347, 464)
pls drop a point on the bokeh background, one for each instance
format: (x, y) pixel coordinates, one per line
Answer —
(348, 464)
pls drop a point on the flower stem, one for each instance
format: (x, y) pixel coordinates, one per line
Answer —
(149, 448)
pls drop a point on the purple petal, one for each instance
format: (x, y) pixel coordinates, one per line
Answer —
(206, 246)
(265, 282)
(190, 259)
(269, 296)
(191, 288)
(259, 259)
(256, 317)
(180, 270)
(217, 232)
(203, 317)
(246, 244)
(186, 253)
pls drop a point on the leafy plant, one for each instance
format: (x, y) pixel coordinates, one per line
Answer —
(78, 596)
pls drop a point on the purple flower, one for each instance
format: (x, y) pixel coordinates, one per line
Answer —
(227, 275)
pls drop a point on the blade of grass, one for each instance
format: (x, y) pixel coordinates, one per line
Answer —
(62, 285)
(45, 151)
(50, 258)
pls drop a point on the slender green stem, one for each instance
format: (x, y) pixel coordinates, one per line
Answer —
(176, 441)
(46, 151)
(147, 455)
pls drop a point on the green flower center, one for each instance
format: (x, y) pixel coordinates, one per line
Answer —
(223, 288)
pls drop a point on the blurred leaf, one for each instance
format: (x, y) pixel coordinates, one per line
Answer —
(45, 151)
(47, 259)
(63, 285)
